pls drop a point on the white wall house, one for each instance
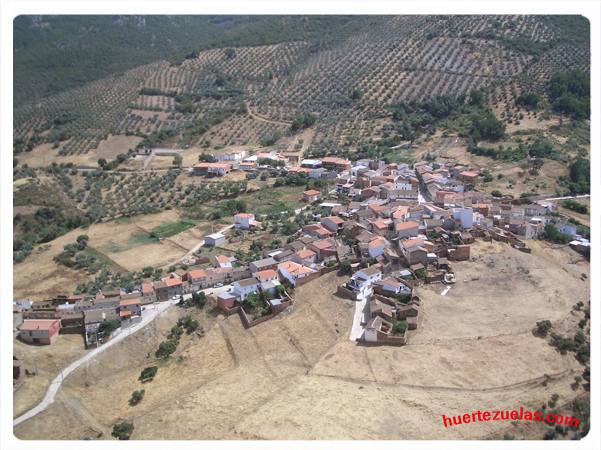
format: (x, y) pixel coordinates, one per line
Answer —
(243, 220)
(244, 287)
(362, 281)
(465, 216)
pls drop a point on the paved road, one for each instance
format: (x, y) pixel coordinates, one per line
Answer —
(357, 329)
(148, 316)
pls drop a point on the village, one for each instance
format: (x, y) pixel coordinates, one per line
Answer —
(388, 227)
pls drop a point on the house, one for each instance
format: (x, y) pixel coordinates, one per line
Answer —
(39, 331)
(304, 257)
(311, 196)
(245, 221)
(361, 282)
(130, 307)
(317, 230)
(244, 287)
(247, 166)
(469, 176)
(392, 286)
(223, 261)
(332, 223)
(376, 247)
(415, 250)
(168, 288)
(266, 275)
(407, 229)
(379, 226)
(465, 216)
(148, 294)
(214, 240)
(263, 264)
(217, 169)
(226, 301)
(340, 164)
(323, 248)
(268, 280)
(311, 163)
(292, 272)
(235, 156)
(197, 279)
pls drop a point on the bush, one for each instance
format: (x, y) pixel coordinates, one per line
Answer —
(575, 206)
(188, 323)
(528, 100)
(136, 397)
(302, 121)
(552, 234)
(166, 348)
(542, 327)
(122, 430)
(399, 326)
(486, 126)
(148, 373)
(345, 267)
(106, 327)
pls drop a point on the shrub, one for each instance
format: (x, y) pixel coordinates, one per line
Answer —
(166, 348)
(188, 323)
(122, 430)
(399, 326)
(136, 397)
(552, 234)
(148, 373)
(542, 327)
(575, 206)
(302, 121)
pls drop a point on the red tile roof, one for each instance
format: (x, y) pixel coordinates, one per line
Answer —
(37, 324)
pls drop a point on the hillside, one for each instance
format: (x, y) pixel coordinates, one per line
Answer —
(507, 87)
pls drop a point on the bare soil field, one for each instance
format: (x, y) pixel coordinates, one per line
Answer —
(113, 145)
(43, 155)
(474, 350)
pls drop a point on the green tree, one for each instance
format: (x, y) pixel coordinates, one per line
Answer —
(148, 373)
(122, 430)
(166, 348)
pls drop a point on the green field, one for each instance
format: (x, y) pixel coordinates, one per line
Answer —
(172, 228)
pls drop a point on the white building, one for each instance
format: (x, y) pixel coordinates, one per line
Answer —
(244, 287)
(235, 156)
(214, 240)
(361, 282)
(292, 271)
(243, 221)
(465, 216)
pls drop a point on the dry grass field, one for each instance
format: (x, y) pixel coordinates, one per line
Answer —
(46, 362)
(122, 241)
(474, 350)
